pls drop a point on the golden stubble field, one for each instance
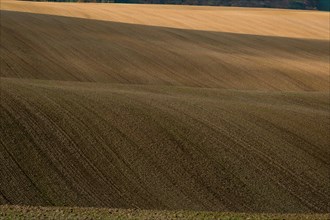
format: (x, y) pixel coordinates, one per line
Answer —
(164, 107)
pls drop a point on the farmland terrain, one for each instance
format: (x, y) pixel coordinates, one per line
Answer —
(164, 107)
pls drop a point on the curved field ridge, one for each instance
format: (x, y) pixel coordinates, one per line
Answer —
(212, 109)
(256, 21)
(91, 144)
(75, 49)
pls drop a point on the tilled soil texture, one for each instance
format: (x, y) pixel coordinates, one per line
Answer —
(92, 144)
(164, 107)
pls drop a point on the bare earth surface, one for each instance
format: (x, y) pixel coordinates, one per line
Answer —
(164, 107)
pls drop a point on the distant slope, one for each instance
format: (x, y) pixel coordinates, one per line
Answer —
(153, 107)
(252, 21)
(102, 51)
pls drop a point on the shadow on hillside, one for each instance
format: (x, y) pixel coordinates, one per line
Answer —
(147, 32)
(57, 47)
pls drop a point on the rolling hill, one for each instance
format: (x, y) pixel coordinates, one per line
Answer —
(164, 107)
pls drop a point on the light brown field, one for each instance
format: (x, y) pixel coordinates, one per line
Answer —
(164, 107)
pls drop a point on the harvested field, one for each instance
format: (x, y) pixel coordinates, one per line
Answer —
(164, 107)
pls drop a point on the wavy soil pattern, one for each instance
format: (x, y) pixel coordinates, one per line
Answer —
(120, 106)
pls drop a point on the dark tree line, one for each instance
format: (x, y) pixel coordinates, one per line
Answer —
(244, 3)
(293, 4)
